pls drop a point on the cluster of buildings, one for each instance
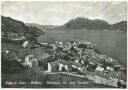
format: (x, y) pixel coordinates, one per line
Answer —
(84, 60)
(30, 60)
(81, 58)
(15, 36)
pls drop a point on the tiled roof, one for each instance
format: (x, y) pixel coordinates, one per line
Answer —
(65, 62)
(55, 63)
(70, 63)
(102, 74)
(76, 64)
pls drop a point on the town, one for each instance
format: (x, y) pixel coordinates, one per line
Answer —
(78, 58)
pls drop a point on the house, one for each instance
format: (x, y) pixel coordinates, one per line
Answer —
(86, 42)
(105, 78)
(5, 51)
(53, 66)
(30, 60)
(109, 59)
(78, 66)
(54, 47)
(82, 61)
(58, 65)
(63, 65)
(77, 60)
(44, 44)
(108, 78)
(25, 44)
(99, 69)
(102, 56)
(109, 68)
(18, 38)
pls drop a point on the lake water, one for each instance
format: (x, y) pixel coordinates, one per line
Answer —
(112, 43)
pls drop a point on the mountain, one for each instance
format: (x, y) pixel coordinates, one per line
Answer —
(14, 30)
(121, 26)
(43, 27)
(85, 23)
(80, 23)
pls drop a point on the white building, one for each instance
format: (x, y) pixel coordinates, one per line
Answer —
(30, 60)
(99, 68)
(109, 68)
(25, 44)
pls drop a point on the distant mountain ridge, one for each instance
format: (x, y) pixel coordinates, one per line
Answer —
(81, 23)
(43, 27)
(96, 24)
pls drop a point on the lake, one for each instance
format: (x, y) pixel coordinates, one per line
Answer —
(111, 43)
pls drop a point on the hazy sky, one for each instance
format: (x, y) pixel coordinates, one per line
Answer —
(58, 12)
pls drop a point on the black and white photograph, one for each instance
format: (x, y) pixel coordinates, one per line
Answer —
(64, 44)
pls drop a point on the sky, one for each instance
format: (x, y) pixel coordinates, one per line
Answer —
(60, 12)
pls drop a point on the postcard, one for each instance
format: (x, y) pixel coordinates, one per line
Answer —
(64, 44)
